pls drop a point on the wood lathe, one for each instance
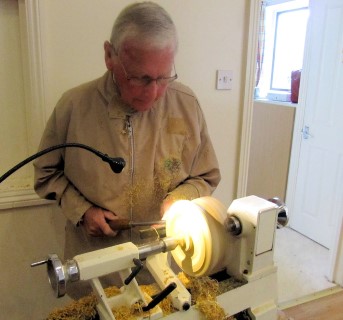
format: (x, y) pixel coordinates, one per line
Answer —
(203, 238)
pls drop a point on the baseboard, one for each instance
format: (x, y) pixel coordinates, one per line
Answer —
(309, 297)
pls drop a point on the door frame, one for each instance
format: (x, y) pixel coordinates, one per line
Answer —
(335, 270)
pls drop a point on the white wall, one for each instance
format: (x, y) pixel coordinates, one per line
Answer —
(28, 235)
(13, 130)
(270, 149)
(212, 36)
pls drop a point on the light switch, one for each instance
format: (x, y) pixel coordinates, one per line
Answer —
(224, 79)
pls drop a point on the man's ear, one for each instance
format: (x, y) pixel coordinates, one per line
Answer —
(109, 55)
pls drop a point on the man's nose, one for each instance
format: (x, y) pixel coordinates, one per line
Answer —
(152, 89)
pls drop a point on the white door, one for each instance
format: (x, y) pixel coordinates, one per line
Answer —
(318, 194)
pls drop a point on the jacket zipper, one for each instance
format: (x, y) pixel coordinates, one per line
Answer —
(129, 131)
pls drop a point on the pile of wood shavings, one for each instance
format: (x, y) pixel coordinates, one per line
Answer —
(85, 308)
(204, 291)
(82, 309)
(129, 313)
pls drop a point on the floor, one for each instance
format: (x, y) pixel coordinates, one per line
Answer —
(328, 307)
(302, 266)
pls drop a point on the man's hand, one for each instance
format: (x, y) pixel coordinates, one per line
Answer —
(94, 220)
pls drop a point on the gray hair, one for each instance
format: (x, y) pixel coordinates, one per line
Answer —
(147, 23)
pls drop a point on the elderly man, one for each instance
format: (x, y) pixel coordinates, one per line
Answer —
(136, 111)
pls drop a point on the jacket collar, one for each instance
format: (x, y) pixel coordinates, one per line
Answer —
(110, 92)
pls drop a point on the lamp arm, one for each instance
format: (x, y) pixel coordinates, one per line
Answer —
(116, 164)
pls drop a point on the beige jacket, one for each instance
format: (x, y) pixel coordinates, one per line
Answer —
(167, 151)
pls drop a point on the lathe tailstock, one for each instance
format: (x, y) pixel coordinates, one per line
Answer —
(204, 238)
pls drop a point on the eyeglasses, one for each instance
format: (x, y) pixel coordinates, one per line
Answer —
(146, 80)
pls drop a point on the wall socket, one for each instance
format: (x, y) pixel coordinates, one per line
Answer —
(224, 80)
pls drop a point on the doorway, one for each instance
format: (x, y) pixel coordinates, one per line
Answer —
(334, 259)
(317, 188)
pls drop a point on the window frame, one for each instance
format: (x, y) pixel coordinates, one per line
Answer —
(277, 16)
(264, 89)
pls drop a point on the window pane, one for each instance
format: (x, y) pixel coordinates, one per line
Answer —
(289, 47)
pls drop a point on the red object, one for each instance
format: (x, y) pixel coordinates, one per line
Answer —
(295, 83)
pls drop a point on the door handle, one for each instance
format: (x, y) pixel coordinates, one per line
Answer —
(306, 132)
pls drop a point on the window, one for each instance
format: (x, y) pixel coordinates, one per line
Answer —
(284, 38)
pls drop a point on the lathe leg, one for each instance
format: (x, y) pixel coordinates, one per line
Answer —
(159, 267)
(103, 307)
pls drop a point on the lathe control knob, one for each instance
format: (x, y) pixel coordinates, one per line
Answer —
(56, 275)
(59, 274)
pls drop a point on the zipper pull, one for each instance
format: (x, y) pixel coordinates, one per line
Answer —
(128, 126)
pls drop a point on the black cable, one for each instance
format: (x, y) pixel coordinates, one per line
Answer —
(116, 164)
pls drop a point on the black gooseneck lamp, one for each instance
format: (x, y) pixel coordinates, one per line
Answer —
(116, 164)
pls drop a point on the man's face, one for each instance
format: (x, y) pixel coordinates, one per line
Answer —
(136, 62)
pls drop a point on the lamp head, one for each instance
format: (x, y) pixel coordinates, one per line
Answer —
(117, 164)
